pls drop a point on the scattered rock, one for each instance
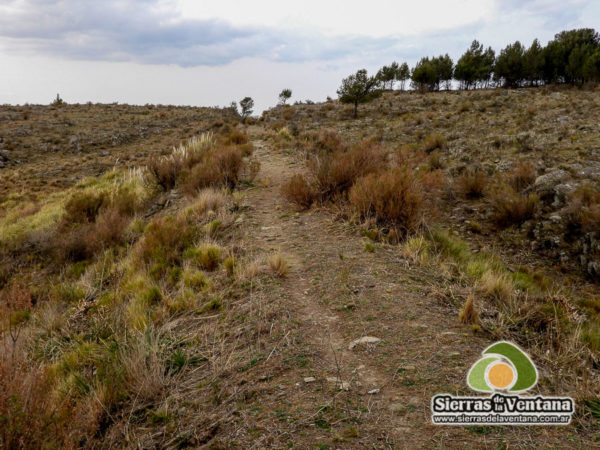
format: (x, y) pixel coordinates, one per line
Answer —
(310, 379)
(364, 340)
(544, 184)
(373, 391)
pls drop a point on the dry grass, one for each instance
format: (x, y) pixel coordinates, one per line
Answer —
(209, 199)
(433, 142)
(522, 176)
(298, 191)
(278, 264)
(394, 198)
(583, 210)
(472, 183)
(469, 314)
(512, 208)
(495, 286)
(336, 172)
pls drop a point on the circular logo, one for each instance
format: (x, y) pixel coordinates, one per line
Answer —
(503, 367)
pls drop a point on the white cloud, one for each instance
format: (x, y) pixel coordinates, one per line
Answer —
(375, 18)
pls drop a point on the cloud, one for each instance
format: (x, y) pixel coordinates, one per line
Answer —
(162, 32)
(146, 31)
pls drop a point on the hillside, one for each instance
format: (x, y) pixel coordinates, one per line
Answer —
(196, 296)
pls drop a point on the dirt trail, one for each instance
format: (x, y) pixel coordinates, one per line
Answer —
(344, 293)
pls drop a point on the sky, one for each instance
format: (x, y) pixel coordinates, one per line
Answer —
(210, 53)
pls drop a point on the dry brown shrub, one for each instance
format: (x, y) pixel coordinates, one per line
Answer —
(162, 171)
(278, 264)
(80, 241)
(472, 183)
(393, 198)
(522, 176)
(83, 207)
(221, 167)
(434, 141)
(583, 210)
(511, 207)
(469, 314)
(297, 190)
(336, 172)
(236, 137)
(327, 141)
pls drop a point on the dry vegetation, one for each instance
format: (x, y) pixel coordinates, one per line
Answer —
(200, 283)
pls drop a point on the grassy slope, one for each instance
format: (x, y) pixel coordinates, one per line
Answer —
(219, 357)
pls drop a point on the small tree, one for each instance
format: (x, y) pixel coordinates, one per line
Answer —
(359, 88)
(246, 104)
(509, 67)
(387, 75)
(284, 96)
(533, 63)
(402, 74)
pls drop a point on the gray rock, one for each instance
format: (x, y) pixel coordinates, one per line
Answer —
(544, 185)
(364, 340)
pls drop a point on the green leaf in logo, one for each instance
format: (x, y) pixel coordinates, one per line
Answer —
(476, 376)
(526, 371)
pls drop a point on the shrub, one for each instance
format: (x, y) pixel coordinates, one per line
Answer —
(469, 314)
(583, 210)
(278, 264)
(434, 141)
(236, 137)
(435, 160)
(392, 198)
(162, 171)
(221, 167)
(336, 172)
(83, 207)
(125, 200)
(522, 176)
(209, 199)
(165, 239)
(206, 256)
(512, 208)
(327, 141)
(108, 229)
(472, 183)
(298, 191)
(495, 286)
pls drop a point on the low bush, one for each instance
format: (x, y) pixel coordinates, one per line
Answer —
(434, 141)
(522, 176)
(220, 167)
(236, 137)
(327, 141)
(336, 172)
(512, 208)
(472, 183)
(583, 210)
(298, 191)
(83, 207)
(163, 171)
(207, 256)
(165, 239)
(278, 264)
(393, 198)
